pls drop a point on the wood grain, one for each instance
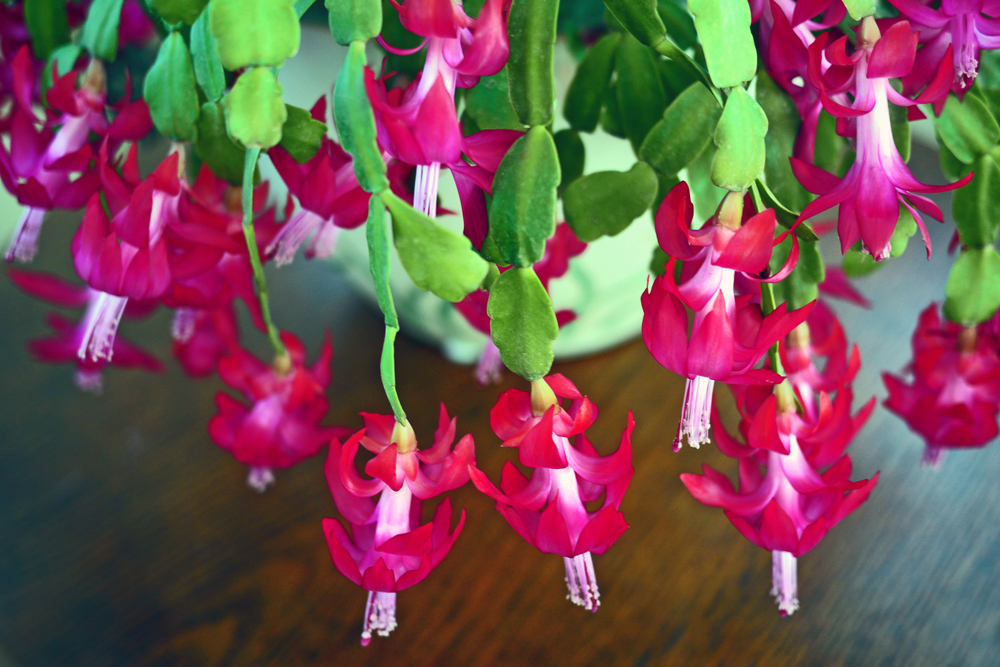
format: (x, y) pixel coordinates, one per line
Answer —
(130, 539)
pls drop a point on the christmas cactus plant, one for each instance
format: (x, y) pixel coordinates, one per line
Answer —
(747, 124)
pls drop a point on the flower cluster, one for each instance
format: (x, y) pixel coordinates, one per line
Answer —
(794, 478)
(955, 392)
(729, 334)
(547, 509)
(387, 550)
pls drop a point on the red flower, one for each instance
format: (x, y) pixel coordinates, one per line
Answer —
(954, 397)
(280, 427)
(729, 334)
(387, 549)
(548, 508)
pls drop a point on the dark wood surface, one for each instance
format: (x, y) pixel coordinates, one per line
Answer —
(128, 538)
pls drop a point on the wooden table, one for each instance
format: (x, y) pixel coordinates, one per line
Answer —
(130, 539)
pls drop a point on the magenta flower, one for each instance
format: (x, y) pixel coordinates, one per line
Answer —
(954, 396)
(879, 181)
(40, 166)
(280, 427)
(548, 508)
(202, 337)
(329, 195)
(126, 256)
(554, 264)
(783, 503)
(387, 550)
(63, 347)
(952, 36)
(729, 334)
(419, 125)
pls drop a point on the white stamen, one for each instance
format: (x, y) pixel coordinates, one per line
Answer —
(24, 243)
(184, 324)
(100, 323)
(696, 413)
(260, 478)
(380, 616)
(294, 233)
(426, 188)
(784, 581)
(582, 582)
(933, 456)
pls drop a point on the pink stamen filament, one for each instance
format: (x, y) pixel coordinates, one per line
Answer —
(294, 233)
(100, 324)
(582, 582)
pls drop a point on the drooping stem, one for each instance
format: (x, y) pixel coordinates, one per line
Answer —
(249, 164)
(378, 260)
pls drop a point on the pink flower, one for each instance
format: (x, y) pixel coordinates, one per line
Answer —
(783, 503)
(952, 36)
(954, 397)
(280, 427)
(387, 550)
(879, 181)
(419, 125)
(554, 264)
(548, 508)
(69, 335)
(202, 337)
(41, 162)
(329, 195)
(729, 334)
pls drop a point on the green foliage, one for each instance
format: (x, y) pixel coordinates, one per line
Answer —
(802, 284)
(739, 142)
(301, 135)
(179, 11)
(100, 30)
(255, 111)
(47, 25)
(208, 69)
(972, 294)
(522, 322)
(639, 91)
(640, 18)
(488, 104)
(975, 206)
(254, 32)
(531, 29)
(437, 260)
(860, 8)
(589, 86)
(523, 213)
(783, 124)
(683, 132)
(572, 156)
(967, 128)
(606, 202)
(215, 147)
(170, 91)
(356, 122)
(379, 262)
(724, 29)
(352, 20)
